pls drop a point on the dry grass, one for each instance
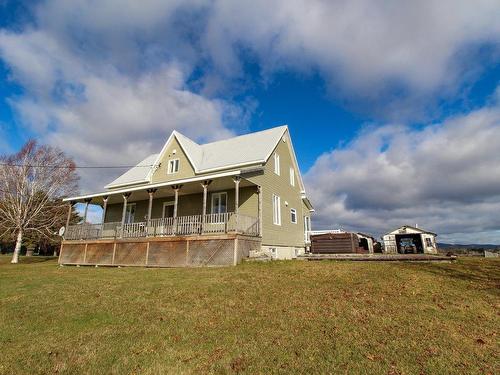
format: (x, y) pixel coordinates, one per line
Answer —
(280, 317)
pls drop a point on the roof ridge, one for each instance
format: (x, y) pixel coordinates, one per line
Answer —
(245, 135)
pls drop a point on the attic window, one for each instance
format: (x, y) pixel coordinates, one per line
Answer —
(173, 166)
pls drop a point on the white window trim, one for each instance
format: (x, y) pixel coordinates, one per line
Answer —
(276, 210)
(171, 163)
(294, 212)
(277, 163)
(127, 215)
(212, 206)
(292, 176)
(165, 204)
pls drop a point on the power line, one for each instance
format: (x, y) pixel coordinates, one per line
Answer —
(76, 166)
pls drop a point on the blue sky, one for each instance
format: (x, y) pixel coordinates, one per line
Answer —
(394, 117)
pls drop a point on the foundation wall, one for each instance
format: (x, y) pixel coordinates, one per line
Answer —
(190, 251)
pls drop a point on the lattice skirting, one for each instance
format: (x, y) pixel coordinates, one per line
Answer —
(167, 252)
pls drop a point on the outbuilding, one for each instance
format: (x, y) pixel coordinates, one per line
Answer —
(409, 239)
(340, 242)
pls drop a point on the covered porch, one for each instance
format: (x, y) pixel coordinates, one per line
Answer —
(196, 206)
(215, 220)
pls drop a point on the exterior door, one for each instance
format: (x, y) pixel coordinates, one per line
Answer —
(219, 203)
(130, 213)
(168, 210)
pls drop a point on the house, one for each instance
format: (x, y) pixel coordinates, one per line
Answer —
(198, 204)
(408, 239)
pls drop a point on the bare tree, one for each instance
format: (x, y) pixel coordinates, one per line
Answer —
(32, 185)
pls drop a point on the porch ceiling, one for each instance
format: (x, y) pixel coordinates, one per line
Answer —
(191, 187)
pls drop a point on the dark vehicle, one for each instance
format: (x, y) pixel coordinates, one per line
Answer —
(407, 246)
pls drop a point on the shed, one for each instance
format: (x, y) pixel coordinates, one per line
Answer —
(409, 239)
(367, 242)
(339, 243)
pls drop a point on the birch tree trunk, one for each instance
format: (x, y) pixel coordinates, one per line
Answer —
(17, 250)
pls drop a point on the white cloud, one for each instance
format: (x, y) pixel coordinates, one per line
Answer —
(99, 115)
(375, 52)
(389, 58)
(445, 177)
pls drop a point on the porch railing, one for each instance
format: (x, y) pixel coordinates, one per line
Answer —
(227, 222)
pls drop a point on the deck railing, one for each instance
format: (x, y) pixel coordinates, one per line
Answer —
(227, 222)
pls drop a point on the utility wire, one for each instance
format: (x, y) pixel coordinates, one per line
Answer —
(75, 166)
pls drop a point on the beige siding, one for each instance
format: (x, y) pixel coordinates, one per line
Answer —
(185, 168)
(286, 234)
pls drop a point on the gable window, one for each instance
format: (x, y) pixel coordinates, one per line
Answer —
(276, 163)
(293, 215)
(219, 203)
(173, 166)
(276, 210)
(292, 176)
(130, 213)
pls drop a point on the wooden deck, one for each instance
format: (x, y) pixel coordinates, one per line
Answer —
(380, 257)
(169, 251)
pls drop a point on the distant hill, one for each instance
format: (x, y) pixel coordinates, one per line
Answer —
(469, 250)
(469, 246)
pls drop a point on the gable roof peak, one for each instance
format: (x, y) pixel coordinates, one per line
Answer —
(246, 149)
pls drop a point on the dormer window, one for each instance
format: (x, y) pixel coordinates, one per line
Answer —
(173, 166)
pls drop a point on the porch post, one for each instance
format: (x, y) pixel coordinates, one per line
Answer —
(104, 208)
(70, 209)
(150, 208)
(259, 197)
(124, 211)
(87, 202)
(176, 201)
(204, 184)
(236, 180)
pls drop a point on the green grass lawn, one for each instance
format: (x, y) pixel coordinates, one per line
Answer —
(277, 317)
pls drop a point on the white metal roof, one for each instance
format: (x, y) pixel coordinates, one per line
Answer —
(234, 152)
(404, 227)
(136, 174)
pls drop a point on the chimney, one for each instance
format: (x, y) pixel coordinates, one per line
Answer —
(416, 225)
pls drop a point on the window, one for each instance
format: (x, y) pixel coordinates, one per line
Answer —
(173, 166)
(428, 242)
(130, 213)
(168, 210)
(292, 176)
(293, 215)
(276, 163)
(219, 203)
(276, 210)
